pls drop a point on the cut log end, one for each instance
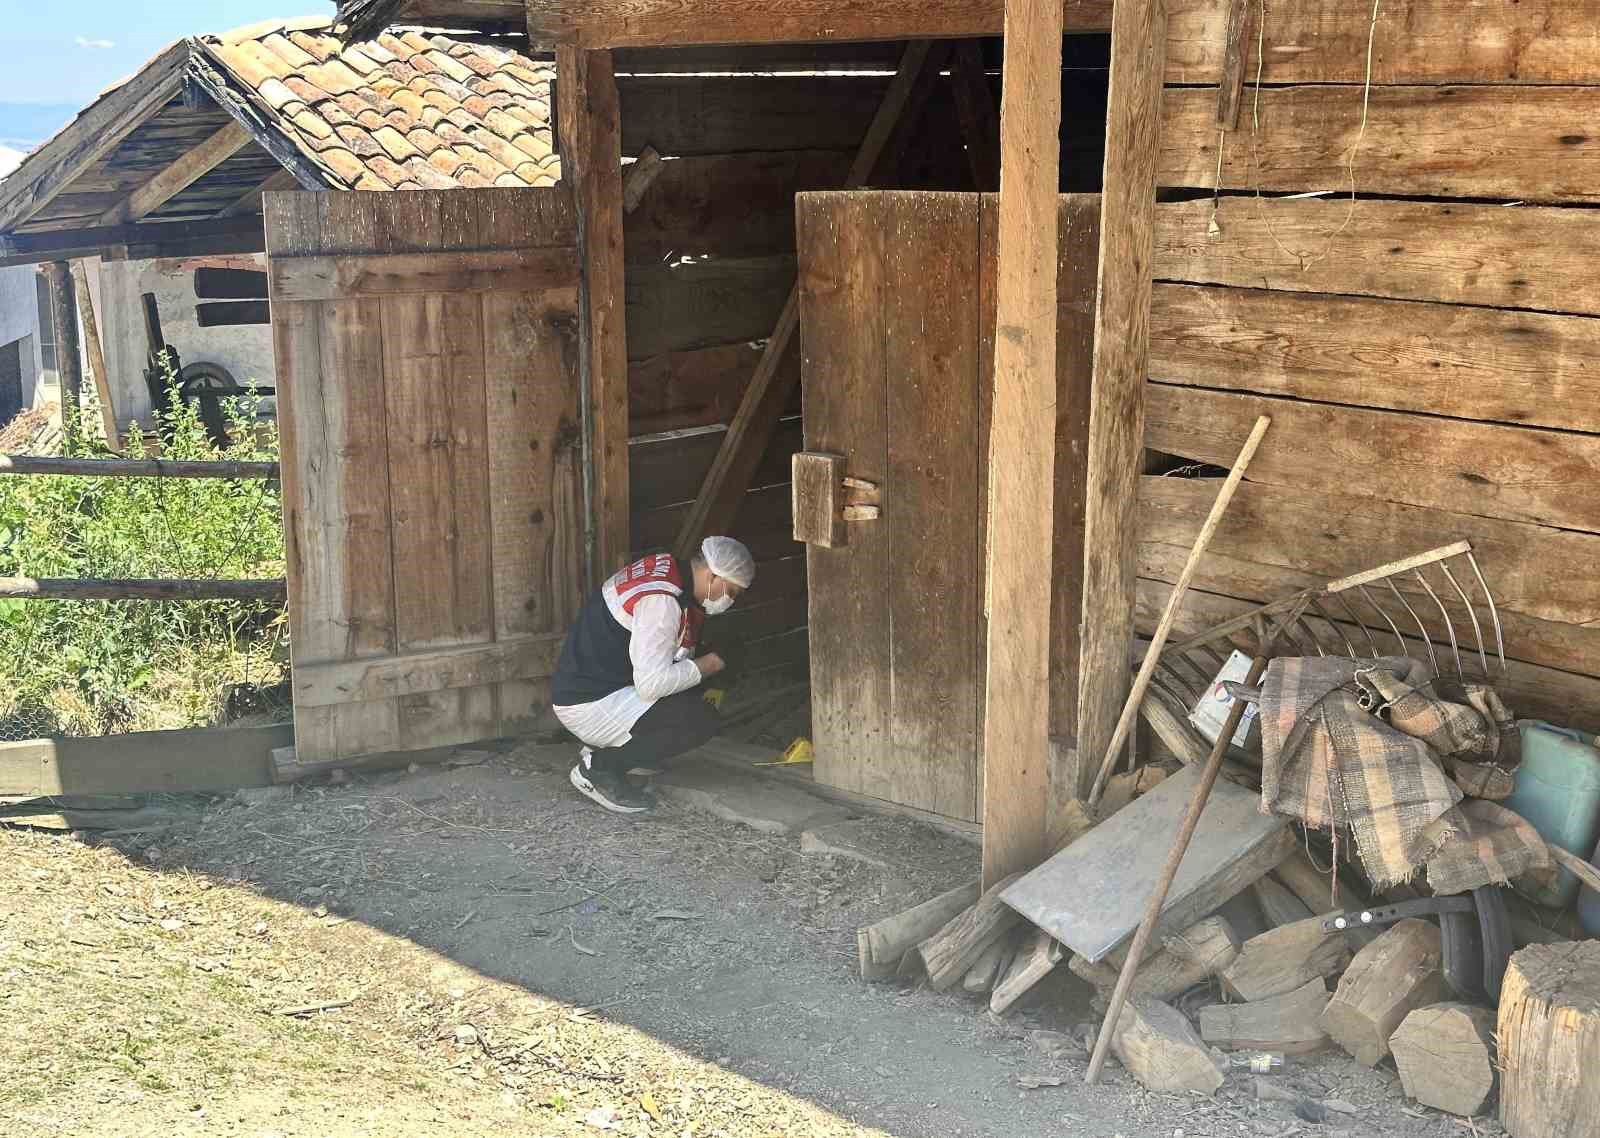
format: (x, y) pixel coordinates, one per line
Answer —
(1445, 1054)
(1388, 979)
(1549, 1038)
(1160, 1049)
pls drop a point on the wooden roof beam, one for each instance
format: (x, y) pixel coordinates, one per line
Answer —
(251, 202)
(233, 234)
(179, 176)
(90, 137)
(597, 24)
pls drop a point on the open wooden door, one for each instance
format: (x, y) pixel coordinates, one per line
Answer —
(428, 404)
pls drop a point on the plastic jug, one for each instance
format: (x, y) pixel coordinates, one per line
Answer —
(1558, 791)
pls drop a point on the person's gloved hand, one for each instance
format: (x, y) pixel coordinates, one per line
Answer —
(715, 696)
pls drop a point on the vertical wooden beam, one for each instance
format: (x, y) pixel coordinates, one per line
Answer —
(590, 125)
(1022, 443)
(95, 355)
(1121, 350)
(69, 368)
(980, 125)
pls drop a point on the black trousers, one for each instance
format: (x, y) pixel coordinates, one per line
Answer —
(672, 726)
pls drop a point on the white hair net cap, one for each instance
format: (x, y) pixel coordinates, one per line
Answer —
(730, 560)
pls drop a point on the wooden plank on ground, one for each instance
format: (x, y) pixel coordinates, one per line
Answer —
(1018, 536)
(1459, 253)
(1091, 895)
(590, 131)
(387, 274)
(1518, 473)
(1527, 368)
(200, 761)
(1121, 344)
(1414, 141)
(842, 283)
(659, 23)
(335, 479)
(727, 205)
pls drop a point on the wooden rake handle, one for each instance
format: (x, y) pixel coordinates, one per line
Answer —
(1152, 656)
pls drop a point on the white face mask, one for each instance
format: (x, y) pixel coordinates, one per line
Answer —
(715, 606)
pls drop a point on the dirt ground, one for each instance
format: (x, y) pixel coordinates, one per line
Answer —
(506, 958)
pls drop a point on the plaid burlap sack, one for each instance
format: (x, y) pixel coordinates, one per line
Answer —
(1484, 844)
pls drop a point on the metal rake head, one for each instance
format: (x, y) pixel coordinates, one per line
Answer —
(1365, 615)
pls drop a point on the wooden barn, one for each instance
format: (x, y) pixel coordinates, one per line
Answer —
(777, 231)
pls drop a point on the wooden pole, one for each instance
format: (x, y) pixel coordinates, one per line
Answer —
(1121, 351)
(591, 163)
(1022, 446)
(1152, 655)
(133, 589)
(64, 318)
(95, 355)
(134, 468)
(1158, 899)
(770, 388)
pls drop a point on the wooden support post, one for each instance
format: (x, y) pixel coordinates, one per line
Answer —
(591, 163)
(1121, 350)
(1022, 447)
(95, 355)
(69, 364)
(980, 124)
(772, 385)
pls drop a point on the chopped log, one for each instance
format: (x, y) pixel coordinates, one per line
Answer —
(991, 966)
(1278, 905)
(1202, 950)
(1284, 959)
(1549, 1037)
(1390, 978)
(948, 953)
(1035, 959)
(1159, 1048)
(1291, 1023)
(1446, 1057)
(881, 946)
(1316, 888)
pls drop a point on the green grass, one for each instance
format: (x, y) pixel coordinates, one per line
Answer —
(99, 667)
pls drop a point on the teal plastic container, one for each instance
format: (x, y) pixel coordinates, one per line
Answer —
(1558, 791)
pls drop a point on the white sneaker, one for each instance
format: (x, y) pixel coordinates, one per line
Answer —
(609, 791)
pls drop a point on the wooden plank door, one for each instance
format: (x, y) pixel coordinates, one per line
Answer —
(891, 352)
(428, 407)
(897, 328)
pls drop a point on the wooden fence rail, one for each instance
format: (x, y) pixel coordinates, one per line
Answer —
(135, 467)
(135, 589)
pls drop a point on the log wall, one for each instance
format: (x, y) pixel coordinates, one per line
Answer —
(1426, 350)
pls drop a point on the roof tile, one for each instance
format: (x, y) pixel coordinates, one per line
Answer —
(400, 121)
(473, 180)
(359, 141)
(480, 63)
(309, 122)
(428, 177)
(394, 142)
(484, 163)
(386, 170)
(323, 47)
(424, 140)
(334, 77)
(345, 165)
(507, 126)
(276, 94)
(401, 73)
(408, 101)
(534, 145)
(446, 161)
(376, 52)
(429, 116)
(356, 58)
(306, 92)
(509, 180)
(396, 49)
(452, 68)
(424, 64)
(415, 42)
(369, 181)
(279, 45)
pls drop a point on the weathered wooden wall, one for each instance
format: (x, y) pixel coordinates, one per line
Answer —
(1427, 352)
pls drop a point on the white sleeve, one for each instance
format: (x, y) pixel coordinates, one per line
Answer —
(653, 646)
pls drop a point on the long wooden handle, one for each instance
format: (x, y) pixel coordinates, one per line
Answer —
(1152, 655)
(1152, 913)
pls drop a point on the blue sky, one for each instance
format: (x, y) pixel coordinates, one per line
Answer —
(65, 52)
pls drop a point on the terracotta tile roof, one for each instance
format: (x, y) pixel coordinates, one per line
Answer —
(407, 109)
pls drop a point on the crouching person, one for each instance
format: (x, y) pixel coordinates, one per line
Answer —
(625, 683)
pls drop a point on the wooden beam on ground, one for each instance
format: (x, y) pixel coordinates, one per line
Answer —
(881, 946)
(91, 136)
(94, 356)
(172, 180)
(137, 589)
(591, 164)
(443, 669)
(250, 203)
(143, 762)
(1022, 448)
(772, 386)
(1121, 348)
(134, 467)
(675, 23)
(69, 362)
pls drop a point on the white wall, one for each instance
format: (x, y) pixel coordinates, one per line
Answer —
(246, 351)
(19, 317)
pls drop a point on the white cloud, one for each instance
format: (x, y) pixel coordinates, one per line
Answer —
(100, 45)
(9, 160)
